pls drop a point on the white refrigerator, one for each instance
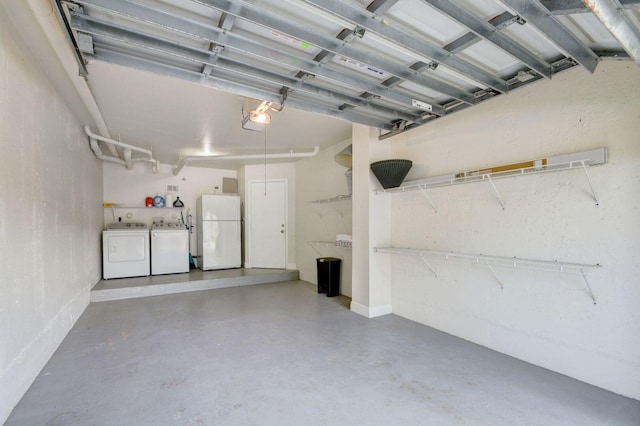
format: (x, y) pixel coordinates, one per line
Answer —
(218, 230)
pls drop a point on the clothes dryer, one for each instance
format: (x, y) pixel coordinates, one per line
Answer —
(125, 250)
(169, 248)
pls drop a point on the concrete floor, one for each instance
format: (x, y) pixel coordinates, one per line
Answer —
(280, 354)
(194, 280)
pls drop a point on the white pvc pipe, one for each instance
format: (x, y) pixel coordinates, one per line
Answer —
(92, 135)
(95, 147)
(127, 158)
(46, 17)
(195, 158)
(127, 149)
(155, 163)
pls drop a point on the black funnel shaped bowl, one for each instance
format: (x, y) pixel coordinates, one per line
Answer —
(391, 173)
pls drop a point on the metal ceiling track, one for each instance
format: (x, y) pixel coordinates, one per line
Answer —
(437, 80)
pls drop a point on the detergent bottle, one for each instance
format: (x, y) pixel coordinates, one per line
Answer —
(158, 201)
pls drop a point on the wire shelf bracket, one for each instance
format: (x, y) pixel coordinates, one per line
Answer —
(479, 176)
(493, 261)
(332, 244)
(332, 203)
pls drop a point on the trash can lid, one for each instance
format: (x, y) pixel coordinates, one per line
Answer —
(328, 259)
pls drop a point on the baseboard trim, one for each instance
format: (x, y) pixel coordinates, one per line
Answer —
(370, 311)
(21, 372)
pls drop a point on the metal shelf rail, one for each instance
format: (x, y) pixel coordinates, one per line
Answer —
(491, 261)
(331, 202)
(333, 244)
(453, 179)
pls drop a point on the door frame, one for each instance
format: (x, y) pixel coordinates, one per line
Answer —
(248, 263)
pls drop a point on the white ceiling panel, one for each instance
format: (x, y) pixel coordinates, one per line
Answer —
(426, 21)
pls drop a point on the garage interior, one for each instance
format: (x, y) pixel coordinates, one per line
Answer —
(476, 286)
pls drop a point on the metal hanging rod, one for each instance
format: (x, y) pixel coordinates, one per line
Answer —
(330, 202)
(334, 244)
(491, 261)
(450, 180)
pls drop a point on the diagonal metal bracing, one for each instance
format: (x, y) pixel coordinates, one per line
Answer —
(346, 36)
(226, 23)
(200, 56)
(381, 6)
(368, 21)
(217, 35)
(228, 85)
(171, 38)
(461, 43)
(500, 22)
(488, 32)
(58, 10)
(565, 7)
(618, 24)
(539, 17)
(275, 22)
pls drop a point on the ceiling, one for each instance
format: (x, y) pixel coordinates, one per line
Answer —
(173, 75)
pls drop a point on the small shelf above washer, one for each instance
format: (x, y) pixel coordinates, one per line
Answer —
(122, 206)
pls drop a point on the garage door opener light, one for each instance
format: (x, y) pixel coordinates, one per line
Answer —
(256, 118)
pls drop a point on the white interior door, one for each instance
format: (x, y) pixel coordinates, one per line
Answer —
(268, 224)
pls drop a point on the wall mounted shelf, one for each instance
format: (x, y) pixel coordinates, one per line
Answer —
(330, 205)
(456, 179)
(331, 244)
(491, 261)
(141, 207)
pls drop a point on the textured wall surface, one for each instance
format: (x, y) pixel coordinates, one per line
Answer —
(50, 218)
(321, 178)
(541, 317)
(129, 188)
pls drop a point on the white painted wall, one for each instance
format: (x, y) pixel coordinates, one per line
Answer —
(249, 173)
(129, 188)
(371, 228)
(50, 209)
(543, 318)
(321, 178)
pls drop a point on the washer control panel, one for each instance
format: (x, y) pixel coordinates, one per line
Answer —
(127, 225)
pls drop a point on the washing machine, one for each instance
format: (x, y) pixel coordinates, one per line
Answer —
(125, 250)
(169, 248)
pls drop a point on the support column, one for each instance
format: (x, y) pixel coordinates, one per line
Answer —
(371, 227)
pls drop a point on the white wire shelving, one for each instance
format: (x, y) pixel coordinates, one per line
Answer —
(498, 261)
(479, 176)
(331, 205)
(331, 244)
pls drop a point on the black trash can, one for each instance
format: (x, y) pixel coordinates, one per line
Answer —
(329, 275)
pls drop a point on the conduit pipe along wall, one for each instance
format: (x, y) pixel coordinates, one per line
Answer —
(195, 158)
(46, 17)
(127, 149)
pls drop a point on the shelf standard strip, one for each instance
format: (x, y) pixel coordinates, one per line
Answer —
(534, 264)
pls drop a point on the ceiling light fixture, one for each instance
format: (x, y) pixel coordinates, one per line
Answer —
(256, 118)
(260, 117)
